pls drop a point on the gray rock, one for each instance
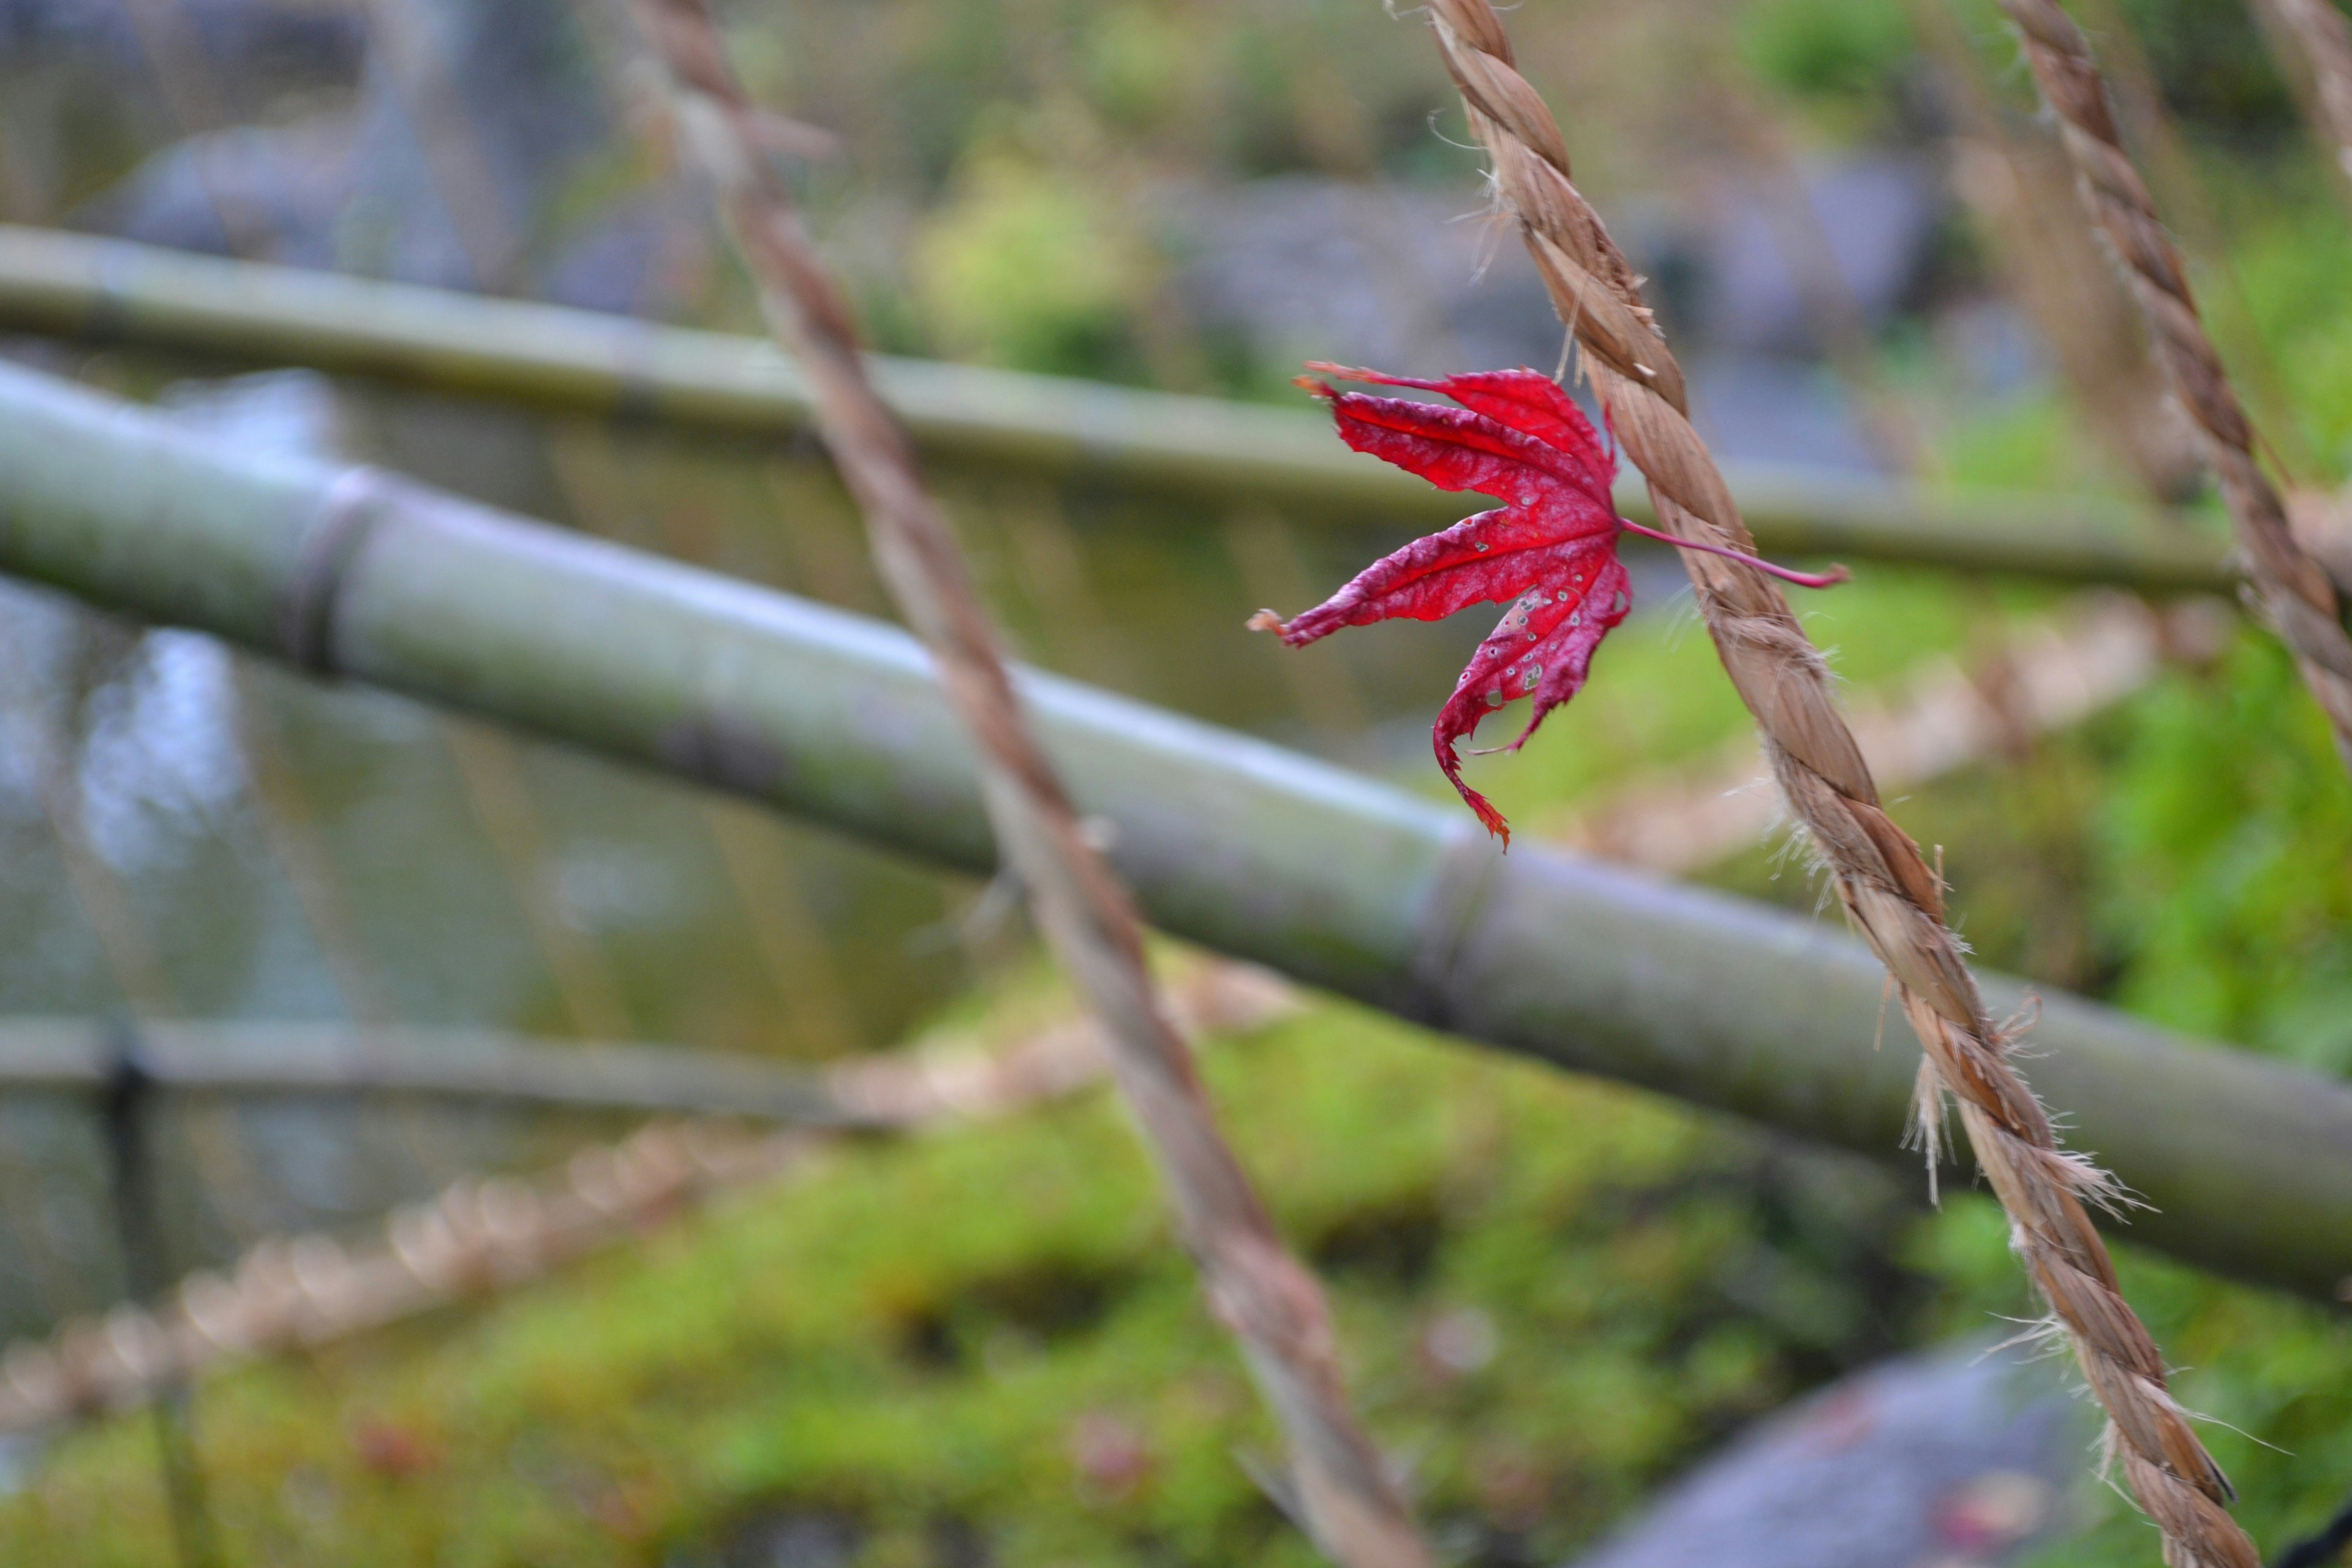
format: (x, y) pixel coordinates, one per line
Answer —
(1415, 277)
(466, 124)
(1940, 1460)
(1418, 281)
(284, 189)
(1878, 214)
(1303, 266)
(279, 37)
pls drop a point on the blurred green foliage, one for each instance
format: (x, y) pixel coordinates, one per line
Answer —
(2210, 64)
(2291, 261)
(1852, 60)
(1845, 60)
(990, 1337)
(2226, 835)
(1019, 267)
(1137, 60)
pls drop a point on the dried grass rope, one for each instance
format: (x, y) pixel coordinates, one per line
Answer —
(1885, 883)
(1351, 1504)
(2296, 590)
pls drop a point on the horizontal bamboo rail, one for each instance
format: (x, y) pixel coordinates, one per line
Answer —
(1246, 848)
(544, 356)
(257, 1059)
(478, 1237)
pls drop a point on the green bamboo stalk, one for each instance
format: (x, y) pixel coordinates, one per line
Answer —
(244, 1061)
(1337, 879)
(584, 362)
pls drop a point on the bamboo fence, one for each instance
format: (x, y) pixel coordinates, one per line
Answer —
(1244, 847)
(481, 1236)
(581, 361)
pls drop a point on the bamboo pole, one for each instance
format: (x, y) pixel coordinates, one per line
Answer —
(299, 1293)
(1336, 879)
(584, 362)
(244, 1060)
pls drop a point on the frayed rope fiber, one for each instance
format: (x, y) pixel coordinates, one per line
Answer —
(1885, 885)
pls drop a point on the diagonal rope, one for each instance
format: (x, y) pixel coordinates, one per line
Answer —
(2298, 593)
(2311, 42)
(1352, 1507)
(2325, 39)
(2018, 189)
(2181, 192)
(1885, 885)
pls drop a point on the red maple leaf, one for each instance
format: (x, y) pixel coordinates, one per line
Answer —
(1553, 545)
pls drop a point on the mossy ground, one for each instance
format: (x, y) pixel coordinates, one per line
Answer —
(1555, 1293)
(929, 1339)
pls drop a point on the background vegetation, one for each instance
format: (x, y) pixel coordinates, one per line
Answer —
(982, 1347)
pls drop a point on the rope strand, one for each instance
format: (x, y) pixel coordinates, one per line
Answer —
(2323, 37)
(2298, 595)
(1352, 1507)
(1885, 885)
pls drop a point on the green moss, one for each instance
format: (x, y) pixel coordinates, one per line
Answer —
(2183, 856)
(932, 1331)
(991, 1336)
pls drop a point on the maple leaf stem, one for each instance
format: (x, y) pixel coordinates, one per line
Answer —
(1829, 579)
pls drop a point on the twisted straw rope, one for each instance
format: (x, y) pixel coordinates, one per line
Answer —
(2299, 595)
(1352, 1507)
(2325, 37)
(1885, 885)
